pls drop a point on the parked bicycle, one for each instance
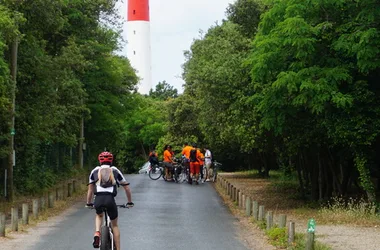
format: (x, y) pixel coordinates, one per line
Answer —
(159, 170)
(156, 171)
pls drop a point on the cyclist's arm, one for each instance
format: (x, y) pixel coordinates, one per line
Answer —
(128, 193)
(91, 186)
(90, 193)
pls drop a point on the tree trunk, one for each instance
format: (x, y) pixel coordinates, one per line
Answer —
(12, 157)
(300, 180)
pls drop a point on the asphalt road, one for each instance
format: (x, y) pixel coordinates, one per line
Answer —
(165, 216)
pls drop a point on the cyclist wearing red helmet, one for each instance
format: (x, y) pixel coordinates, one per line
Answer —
(103, 182)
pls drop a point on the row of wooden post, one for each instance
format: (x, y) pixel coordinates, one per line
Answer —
(39, 204)
(252, 208)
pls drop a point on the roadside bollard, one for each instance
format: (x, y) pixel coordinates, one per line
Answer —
(269, 220)
(261, 213)
(291, 232)
(248, 206)
(14, 219)
(2, 224)
(282, 221)
(255, 210)
(25, 213)
(35, 208)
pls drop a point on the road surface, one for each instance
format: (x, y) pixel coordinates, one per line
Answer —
(165, 216)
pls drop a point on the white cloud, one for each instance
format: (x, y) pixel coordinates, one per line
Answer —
(174, 25)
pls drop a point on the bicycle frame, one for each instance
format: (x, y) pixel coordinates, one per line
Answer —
(107, 223)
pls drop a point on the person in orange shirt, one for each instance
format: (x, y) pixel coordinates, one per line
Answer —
(186, 150)
(186, 153)
(194, 163)
(168, 162)
(201, 163)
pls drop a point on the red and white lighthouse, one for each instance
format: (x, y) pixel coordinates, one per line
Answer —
(138, 47)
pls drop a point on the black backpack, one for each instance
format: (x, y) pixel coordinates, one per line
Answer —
(193, 155)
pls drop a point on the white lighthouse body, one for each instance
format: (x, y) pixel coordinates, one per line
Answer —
(138, 47)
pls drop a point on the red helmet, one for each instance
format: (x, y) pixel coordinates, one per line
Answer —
(105, 157)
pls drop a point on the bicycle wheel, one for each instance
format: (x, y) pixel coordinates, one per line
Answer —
(105, 241)
(214, 175)
(155, 172)
(178, 174)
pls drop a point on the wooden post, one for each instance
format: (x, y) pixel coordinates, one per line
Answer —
(261, 212)
(269, 220)
(235, 193)
(69, 189)
(65, 191)
(282, 221)
(248, 206)
(255, 210)
(243, 201)
(35, 208)
(239, 198)
(14, 219)
(75, 188)
(56, 194)
(43, 202)
(310, 241)
(291, 232)
(51, 200)
(25, 213)
(2, 224)
(229, 189)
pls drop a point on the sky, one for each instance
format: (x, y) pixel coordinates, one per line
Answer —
(174, 25)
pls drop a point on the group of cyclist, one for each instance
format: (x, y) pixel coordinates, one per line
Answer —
(193, 159)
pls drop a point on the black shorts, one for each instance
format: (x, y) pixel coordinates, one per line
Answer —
(103, 200)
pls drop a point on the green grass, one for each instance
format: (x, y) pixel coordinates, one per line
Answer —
(300, 243)
(278, 237)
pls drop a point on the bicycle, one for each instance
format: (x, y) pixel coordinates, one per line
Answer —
(156, 171)
(215, 168)
(159, 170)
(106, 234)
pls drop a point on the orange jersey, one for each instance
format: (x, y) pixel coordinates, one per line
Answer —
(201, 157)
(167, 156)
(186, 151)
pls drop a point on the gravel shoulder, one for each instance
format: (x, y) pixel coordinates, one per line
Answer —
(338, 237)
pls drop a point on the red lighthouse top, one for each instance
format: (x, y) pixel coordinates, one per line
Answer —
(138, 10)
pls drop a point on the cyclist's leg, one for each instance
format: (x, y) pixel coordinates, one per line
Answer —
(116, 233)
(99, 203)
(208, 171)
(113, 214)
(196, 171)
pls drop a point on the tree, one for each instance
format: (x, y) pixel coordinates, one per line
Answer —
(163, 91)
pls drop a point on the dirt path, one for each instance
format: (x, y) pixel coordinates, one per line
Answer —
(338, 237)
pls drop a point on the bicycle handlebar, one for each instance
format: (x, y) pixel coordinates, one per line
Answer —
(128, 205)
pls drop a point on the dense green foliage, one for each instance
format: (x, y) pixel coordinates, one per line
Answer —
(67, 70)
(290, 84)
(279, 84)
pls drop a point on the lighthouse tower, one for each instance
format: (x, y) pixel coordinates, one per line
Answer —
(138, 47)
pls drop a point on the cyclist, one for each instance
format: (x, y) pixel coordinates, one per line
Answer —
(153, 158)
(201, 165)
(168, 161)
(105, 195)
(186, 153)
(194, 163)
(208, 162)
